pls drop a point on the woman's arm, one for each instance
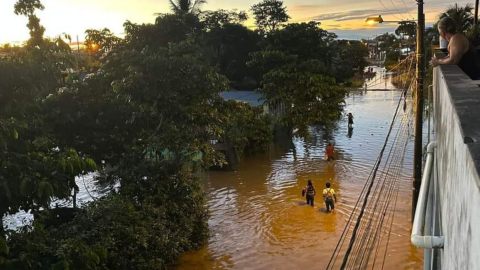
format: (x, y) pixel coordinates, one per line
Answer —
(455, 53)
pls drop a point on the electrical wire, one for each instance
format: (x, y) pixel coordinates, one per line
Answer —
(388, 10)
(387, 180)
(399, 13)
(374, 212)
(407, 9)
(362, 211)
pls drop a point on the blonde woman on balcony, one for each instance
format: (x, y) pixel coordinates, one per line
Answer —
(461, 51)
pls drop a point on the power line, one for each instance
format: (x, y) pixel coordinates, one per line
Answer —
(399, 13)
(365, 201)
(388, 10)
(407, 9)
(376, 213)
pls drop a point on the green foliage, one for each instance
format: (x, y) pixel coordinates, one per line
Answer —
(313, 96)
(300, 66)
(349, 60)
(305, 40)
(388, 43)
(264, 61)
(27, 7)
(101, 40)
(32, 172)
(473, 31)
(245, 127)
(407, 28)
(461, 15)
(8, 48)
(147, 226)
(221, 17)
(269, 15)
(168, 28)
(231, 45)
(186, 6)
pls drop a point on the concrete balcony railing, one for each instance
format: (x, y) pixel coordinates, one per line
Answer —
(456, 169)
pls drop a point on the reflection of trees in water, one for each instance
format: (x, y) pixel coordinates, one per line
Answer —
(321, 135)
(280, 147)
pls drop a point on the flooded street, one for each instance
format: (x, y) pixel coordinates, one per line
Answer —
(259, 219)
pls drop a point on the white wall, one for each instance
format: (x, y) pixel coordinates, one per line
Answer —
(458, 183)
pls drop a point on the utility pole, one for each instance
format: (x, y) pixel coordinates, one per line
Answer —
(78, 46)
(475, 20)
(418, 147)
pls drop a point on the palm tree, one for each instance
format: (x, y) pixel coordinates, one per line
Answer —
(462, 16)
(187, 6)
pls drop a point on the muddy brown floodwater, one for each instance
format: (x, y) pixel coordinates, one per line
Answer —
(259, 219)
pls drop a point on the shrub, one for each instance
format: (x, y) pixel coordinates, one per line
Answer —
(147, 225)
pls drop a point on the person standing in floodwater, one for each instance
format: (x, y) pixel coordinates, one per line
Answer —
(330, 152)
(310, 192)
(329, 197)
(350, 120)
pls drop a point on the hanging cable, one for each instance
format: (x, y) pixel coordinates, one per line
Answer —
(388, 10)
(408, 11)
(399, 13)
(373, 218)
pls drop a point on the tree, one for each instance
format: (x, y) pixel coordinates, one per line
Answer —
(269, 15)
(34, 168)
(231, 46)
(312, 97)
(221, 17)
(100, 40)
(349, 59)
(407, 29)
(306, 40)
(28, 8)
(186, 6)
(8, 48)
(462, 16)
(168, 28)
(388, 42)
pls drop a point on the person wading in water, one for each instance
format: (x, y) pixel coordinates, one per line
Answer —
(350, 120)
(309, 192)
(329, 197)
(329, 152)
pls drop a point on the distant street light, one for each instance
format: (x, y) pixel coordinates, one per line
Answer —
(379, 19)
(372, 20)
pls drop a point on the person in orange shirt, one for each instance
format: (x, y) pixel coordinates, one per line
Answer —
(330, 152)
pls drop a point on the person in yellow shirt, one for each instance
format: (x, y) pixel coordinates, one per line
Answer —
(329, 197)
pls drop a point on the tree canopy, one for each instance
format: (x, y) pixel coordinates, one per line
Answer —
(269, 15)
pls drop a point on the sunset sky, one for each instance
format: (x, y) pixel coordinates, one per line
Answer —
(344, 17)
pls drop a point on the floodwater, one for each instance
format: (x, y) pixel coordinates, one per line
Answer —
(259, 219)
